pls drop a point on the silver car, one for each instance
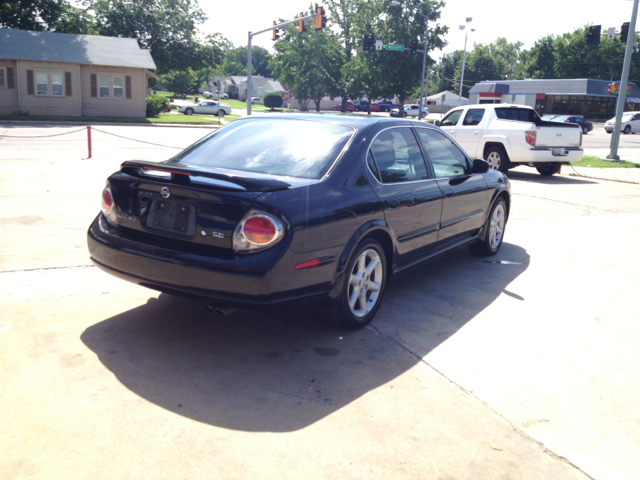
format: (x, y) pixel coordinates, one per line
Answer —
(410, 111)
(207, 107)
(630, 123)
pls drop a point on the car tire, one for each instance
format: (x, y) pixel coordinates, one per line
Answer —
(423, 115)
(361, 292)
(497, 159)
(404, 114)
(585, 130)
(627, 130)
(494, 231)
(221, 113)
(548, 169)
(188, 111)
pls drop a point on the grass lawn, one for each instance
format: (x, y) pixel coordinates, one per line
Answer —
(162, 118)
(595, 162)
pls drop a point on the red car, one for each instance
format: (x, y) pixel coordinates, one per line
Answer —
(375, 107)
(350, 107)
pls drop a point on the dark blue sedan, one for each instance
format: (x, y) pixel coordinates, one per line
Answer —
(298, 208)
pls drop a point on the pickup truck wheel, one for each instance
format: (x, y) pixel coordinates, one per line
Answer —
(497, 159)
(548, 169)
(362, 287)
(494, 231)
(627, 130)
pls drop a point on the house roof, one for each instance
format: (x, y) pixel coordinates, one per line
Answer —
(72, 48)
(447, 96)
(563, 86)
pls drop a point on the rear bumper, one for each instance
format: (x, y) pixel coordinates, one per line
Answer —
(546, 155)
(249, 281)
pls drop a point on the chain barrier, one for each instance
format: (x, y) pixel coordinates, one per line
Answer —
(134, 140)
(43, 136)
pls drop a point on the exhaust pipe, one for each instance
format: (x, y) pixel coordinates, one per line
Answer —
(222, 311)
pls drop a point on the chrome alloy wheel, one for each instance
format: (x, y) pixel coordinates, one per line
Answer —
(496, 227)
(494, 160)
(365, 283)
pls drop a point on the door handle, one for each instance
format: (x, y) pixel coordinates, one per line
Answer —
(476, 132)
(448, 193)
(393, 204)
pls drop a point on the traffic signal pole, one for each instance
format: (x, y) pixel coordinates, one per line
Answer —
(424, 62)
(249, 57)
(622, 93)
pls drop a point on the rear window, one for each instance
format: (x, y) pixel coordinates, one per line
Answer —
(283, 147)
(517, 114)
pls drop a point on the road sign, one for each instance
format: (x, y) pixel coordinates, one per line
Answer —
(379, 44)
(611, 33)
(397, 48)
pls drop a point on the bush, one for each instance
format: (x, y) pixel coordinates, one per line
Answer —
(156, 104)
(273, 100)
(233, 96)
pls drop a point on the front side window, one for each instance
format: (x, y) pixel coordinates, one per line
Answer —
(118, 87)
(398, 157)
(276, 147)
(103, 84)
(446, 158)
(56, 84)
(42, 83)
(473, 117)
(451, 119)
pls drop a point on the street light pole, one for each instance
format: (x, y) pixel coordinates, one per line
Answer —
(464, 57)
(622, 93)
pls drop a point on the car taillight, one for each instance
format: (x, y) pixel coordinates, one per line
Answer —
(256, 231)
(531, 137)
(107, 201)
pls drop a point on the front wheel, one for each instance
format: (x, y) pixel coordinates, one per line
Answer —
(362, 287)
(497, 159)
(548, 169)
(221, 113)
(494, 231)
(404, 114)
(189, 111)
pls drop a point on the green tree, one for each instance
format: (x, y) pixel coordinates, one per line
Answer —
(37, 15)
(181, 81)
(540, 61)
(482, 64)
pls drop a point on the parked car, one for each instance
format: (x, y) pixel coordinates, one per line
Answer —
(410, 111)
(375, 107)
(270, 221)
(585, 125)
(387, 106)
(224, 96)
(208, 107)
(361, 105)
(350, 107)
(630, 123)
(508, 136)
(256, 101)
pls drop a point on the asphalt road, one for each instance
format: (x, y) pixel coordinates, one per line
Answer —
(521, 366)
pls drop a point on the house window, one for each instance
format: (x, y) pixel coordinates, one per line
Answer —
(42, 83)
(103, 83)
(118, 87)
(2, 78)
(56, 84)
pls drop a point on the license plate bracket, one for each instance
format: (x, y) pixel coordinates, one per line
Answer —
(171, 217)
(559, 152)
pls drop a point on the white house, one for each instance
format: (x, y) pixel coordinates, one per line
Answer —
(444, 101)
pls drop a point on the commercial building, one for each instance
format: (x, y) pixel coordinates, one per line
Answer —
(587, 97)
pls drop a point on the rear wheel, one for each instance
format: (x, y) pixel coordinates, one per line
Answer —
(627, 129)
(189, 111)
(497, 159)
(585, 130)
(362, 287)
(494, 231)
(404, 114)
(548, 169)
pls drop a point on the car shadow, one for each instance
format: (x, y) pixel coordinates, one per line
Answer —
(535, 177)
(282, 371)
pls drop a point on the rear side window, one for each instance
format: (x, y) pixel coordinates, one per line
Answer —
(287, 147)
(473, 116)
(517, 114)
(397, 157)
(446, 158)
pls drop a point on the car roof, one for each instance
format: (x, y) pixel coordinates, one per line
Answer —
(355, 121)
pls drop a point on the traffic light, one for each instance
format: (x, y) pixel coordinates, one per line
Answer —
(414, 47)
(593, 35)
(321, 19)
(301, 26)
(275, 32)
(624, 32)
(369, 43)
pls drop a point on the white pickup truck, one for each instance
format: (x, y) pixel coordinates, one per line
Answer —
(507, 136)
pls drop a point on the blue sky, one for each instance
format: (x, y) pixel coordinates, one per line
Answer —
(513, 19)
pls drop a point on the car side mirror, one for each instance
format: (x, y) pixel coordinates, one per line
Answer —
(437, 123)
(480, 166)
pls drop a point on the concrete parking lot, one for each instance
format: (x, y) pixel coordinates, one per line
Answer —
(521, 366)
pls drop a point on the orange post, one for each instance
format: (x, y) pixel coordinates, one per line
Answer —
(89, 139)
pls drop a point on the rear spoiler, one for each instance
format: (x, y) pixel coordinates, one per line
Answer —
(182, 174)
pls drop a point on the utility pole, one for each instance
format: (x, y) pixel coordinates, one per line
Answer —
(622, 93)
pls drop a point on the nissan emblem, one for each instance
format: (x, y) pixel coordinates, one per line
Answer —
(165, 192)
